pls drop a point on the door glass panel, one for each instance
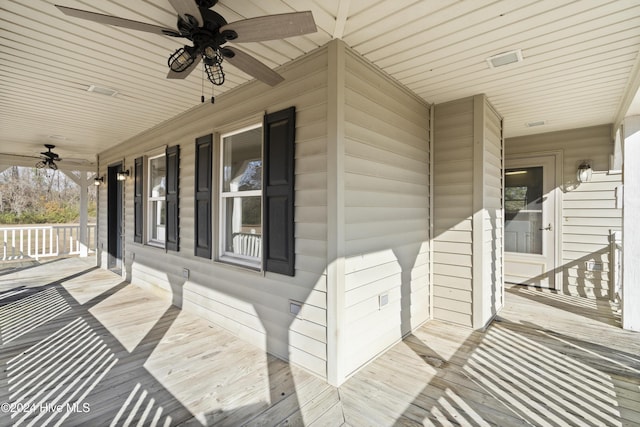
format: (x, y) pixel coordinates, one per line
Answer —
(523, 199)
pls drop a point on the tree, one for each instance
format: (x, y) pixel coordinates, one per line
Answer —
(30, 195)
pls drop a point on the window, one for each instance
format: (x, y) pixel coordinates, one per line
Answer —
(256, 195)
(156, 200)
(156, 180)
(241, 196)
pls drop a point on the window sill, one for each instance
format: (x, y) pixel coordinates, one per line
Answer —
(159, 245)
(241, 263)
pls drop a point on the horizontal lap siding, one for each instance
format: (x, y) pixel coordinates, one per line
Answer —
(588, 209)
(453, 209)
(494, 220)
(386, 213)
(251, 305)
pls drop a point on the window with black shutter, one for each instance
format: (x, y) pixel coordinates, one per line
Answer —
(257, 195)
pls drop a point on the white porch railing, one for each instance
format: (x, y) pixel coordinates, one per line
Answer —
(43, 241)
(247, 244)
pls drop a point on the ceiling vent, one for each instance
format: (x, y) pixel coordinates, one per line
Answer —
(102, 90)
(505, 58)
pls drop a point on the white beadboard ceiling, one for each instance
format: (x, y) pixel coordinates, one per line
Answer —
(581, 64)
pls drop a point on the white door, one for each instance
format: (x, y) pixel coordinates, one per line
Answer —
(530, 225)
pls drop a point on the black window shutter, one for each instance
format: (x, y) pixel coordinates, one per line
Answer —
(278, 192)
(173, 218)
(138, 199)
(203, 235)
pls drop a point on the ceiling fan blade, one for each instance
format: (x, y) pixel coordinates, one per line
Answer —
(73, 160)
(250, 65)
(272, 27)
(187, 7)
(115, 21)
(181, 75)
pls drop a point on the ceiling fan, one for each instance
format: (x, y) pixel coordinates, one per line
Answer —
(209, 32)
(48, 158)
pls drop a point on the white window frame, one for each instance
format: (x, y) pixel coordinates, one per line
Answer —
(149, 200)
(223, 255)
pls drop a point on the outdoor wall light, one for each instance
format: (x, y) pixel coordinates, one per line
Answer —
(98, 180)
(584, 171)
(122, 175)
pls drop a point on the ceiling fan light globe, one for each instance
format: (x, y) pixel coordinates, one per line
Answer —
(215, 74)
(181, 59)
(210, 52)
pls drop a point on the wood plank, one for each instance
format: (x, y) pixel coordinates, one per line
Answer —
(549, 357)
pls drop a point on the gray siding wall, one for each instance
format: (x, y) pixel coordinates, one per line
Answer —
(453, 211)
(362, 217)
(386, 194)
(251, 305)
(589, 210)
(492, 282)
(468, 235)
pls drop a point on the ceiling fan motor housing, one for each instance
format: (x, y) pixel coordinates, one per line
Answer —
(207, 4)
(50, 154)
(208, 34)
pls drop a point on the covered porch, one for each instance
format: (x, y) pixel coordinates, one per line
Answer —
(22, 244)
(82, 346)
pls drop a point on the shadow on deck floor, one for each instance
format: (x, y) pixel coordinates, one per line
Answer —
(81, 347)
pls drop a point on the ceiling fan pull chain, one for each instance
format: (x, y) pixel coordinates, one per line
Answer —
(202, 88)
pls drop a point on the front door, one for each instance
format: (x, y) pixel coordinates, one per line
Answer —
(530, 225)
(114, 219)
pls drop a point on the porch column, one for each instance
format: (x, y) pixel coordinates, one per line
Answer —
(83, 236)
(336, 319)
(83, 179)
(630, 224)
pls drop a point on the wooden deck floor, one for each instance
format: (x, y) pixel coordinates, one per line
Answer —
(72, 333)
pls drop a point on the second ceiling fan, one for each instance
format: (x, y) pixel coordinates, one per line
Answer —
(209, 32)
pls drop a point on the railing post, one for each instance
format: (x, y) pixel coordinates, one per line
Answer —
(51, 241)
(615, 273)
(37, 246)
(21, 243)
(13, 243)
